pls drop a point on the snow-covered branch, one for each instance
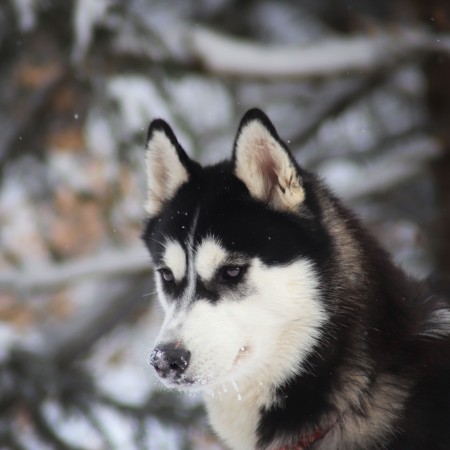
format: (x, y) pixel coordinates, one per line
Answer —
(108, 263)
(231, 56)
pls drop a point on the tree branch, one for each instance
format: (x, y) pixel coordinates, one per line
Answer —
(353, 181)
(77, 337)
(110, 263)
(9, 440)
(226, 55)
(47, 431)
(337, 97)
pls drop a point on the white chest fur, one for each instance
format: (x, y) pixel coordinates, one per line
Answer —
(234, 414)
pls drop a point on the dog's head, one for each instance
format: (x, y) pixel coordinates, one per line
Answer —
(236, 248)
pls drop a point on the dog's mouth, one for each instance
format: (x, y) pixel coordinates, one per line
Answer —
(180, 383)
(243, 353)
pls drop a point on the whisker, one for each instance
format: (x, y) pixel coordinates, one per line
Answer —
(150, 293)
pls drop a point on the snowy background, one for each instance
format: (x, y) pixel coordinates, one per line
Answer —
(357, 89)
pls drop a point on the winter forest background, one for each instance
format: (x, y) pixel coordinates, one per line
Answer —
(359, 89)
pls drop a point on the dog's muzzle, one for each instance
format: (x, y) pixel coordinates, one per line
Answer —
(170, 361)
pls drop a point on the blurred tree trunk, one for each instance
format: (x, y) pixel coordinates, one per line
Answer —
(436, 13)
(437, 70)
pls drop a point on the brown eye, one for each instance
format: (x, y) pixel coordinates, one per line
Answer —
(166, 274)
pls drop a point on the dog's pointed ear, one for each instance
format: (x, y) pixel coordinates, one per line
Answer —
(166, 165)
(265, 165)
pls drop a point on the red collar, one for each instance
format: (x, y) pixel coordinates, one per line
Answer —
(307, 441)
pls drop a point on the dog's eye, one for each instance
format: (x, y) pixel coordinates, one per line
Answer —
(232, 273)
(166, 274)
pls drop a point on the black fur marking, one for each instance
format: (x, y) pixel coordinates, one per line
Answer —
(205, 292)
(227, 210)
(162, 125)
(256, 114)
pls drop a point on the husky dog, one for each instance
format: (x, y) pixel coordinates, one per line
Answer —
(284, 310)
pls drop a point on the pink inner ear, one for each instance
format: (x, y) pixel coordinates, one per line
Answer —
(264, 165)
(269, 171)
(264, 150)
(160, 172)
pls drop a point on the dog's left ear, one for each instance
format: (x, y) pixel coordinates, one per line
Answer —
(265, 165)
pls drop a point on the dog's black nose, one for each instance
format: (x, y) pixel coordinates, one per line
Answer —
(170, 360)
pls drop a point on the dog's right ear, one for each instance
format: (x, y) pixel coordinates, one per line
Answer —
(166, 165)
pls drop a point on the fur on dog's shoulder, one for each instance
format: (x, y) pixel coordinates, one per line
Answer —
(281, 307)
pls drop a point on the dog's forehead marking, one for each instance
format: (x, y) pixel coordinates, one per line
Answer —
(210, 255)
(174, 258)
(191, 275)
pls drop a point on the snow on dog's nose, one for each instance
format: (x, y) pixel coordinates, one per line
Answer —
(170, 361)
